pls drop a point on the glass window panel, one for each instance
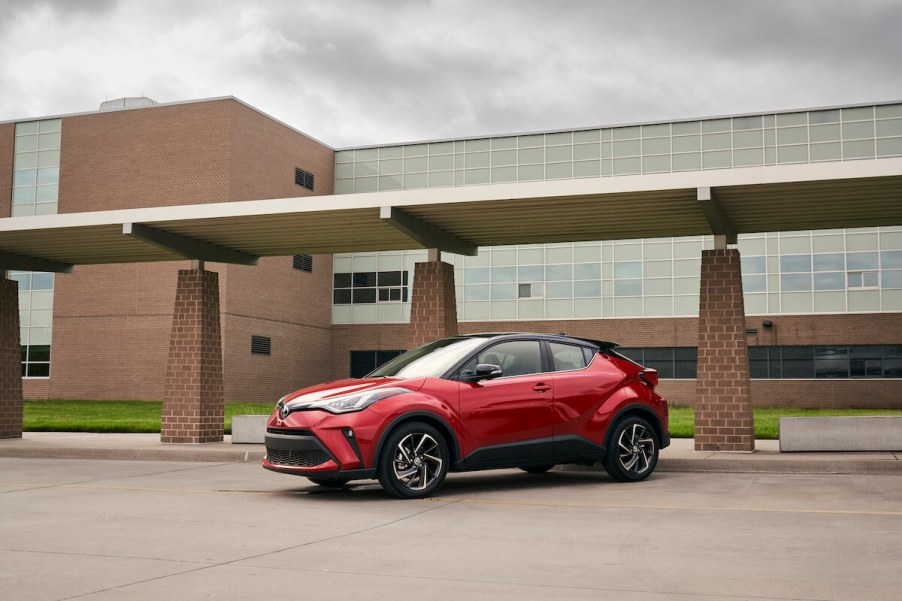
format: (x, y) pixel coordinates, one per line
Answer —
(716, 141)
(891, 278)
(364, 279)
(590, 289)
(691, 127)
(745, 139)
(24, 177)
(29, 127)
(441, 162)
(341, 296)
(627, 287)
(478, 292)
(826, 152)
(504, 291)
(753, 264)
(627, 166)
(788, 119)
(416, 164)
(504, 274)
(852, 131)
(531, 172)
(661, 360)
(758, 362)
(715, 125)
(858, 113)
(586, 151)
(504, 157)
(26, 160)
(795, 263)
(558, 272)
(591, 135)
(476, 275)
(47, 193)
(754, 283)
(478, 176)
(23, 195)
(792, 135)
(363, 295)
(827, 116)
(567, 356)
(889, 127)
(889, 147)
(655, 131)
(531, 273)
(798, 362)
(831, 362)
(860, 261)
(858, 149)
(416, 150)
(687, 144)
(556, 154)
(47, 141)
(885, 111)
(531, 140)
(26, 144)
(532, 155)
(627, 133)
(792, 154)
(829, 262)
(628, 269)
(557, 139)
(390, 182)
(558, 171)
(656, 164)
(825, 133)
(656, 146)
(721, 159)
(587, 169)
(752, 122)
(41, 281)
(659, 287)
(509, 142)
(794, 282)
(587, 271)
(559, 290)
(478, 145)
(627, 148)
(49, 158)
(686, 162)
(341, 280)
(436, 148)
(477, 159)
(685, 362)
(829, 281)
(504, 174)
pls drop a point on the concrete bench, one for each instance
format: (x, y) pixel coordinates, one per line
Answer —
(841, 433)
(249, 429)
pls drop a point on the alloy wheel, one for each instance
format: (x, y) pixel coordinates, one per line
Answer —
(417, 461)
(636, 448)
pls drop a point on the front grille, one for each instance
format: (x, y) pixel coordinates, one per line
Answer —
(296, 458)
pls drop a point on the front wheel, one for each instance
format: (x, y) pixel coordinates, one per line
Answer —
(632, 451)
(414, 461)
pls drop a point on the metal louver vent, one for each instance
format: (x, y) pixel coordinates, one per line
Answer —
(261, 345)
(303, 262)
(303, 178)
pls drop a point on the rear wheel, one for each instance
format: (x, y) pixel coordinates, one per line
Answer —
(536, 469)
(632, 451)
(414, 461)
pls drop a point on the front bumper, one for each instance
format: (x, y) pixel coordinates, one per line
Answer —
(301, 453)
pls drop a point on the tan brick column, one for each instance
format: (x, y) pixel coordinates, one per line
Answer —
(723, 408)
(10, 360)
(193, 399)
(433, 311)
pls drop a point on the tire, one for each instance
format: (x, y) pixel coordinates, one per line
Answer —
(632, 452)
(414, 461)
(335, 483)
(537, 469)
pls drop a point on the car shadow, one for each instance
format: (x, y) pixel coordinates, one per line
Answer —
(467, 484)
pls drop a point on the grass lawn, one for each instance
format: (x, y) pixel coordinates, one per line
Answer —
(113, 416)
(144, 416)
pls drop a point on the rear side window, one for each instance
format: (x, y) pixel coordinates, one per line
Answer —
(567, 357)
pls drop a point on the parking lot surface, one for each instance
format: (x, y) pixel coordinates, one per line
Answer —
(135, 530)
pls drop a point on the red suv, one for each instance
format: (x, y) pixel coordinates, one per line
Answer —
(475, 402)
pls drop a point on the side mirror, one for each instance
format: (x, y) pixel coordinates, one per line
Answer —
(484, 371)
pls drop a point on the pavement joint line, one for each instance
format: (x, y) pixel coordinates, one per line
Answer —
(669, 507)
(233, 562)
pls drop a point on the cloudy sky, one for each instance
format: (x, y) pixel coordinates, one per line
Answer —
(355, 72)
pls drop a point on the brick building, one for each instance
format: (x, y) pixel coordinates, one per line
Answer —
(823, 307)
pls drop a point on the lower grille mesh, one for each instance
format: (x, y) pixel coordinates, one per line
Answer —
(296, 458)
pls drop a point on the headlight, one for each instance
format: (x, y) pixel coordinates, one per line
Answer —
(357, 401)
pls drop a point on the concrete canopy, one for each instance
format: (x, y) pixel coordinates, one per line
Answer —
(761, 199)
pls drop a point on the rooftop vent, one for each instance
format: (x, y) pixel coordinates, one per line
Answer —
(131, 102)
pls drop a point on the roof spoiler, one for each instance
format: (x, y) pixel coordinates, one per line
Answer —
(603, 345)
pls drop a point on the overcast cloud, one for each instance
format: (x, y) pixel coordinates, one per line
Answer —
(356, 72)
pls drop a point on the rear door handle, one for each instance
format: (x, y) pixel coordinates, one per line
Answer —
(542, 387)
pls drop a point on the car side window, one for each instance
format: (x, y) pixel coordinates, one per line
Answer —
(568, 357)
(516, 358)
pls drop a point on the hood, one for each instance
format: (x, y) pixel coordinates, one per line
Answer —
(348, 386)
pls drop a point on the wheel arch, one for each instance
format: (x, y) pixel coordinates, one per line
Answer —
(432, 419)
(638, 410)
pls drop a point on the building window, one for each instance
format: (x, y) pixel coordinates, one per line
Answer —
(36, 361)
(363, 362)
(671, 363)
(261, 345)
(302, 263)
(370, 287)
(303, 178)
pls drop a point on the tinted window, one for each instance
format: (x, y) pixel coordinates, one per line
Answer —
(516, 358)
(567, 356)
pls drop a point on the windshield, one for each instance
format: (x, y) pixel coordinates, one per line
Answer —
(429, 360)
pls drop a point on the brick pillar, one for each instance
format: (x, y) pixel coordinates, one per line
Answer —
(433, 311)
(723, 408)
(193, 399)
(10, 361)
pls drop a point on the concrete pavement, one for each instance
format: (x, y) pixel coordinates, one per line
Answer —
(678, 457)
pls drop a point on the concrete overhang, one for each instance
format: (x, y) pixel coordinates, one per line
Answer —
(759, 199)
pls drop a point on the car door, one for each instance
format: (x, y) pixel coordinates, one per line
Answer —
(513, 410)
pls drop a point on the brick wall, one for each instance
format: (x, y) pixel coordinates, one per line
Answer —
(433, 309)
(112, 322)
(10, 373)
(193, 401)
(7, 146)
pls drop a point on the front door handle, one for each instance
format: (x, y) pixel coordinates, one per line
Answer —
(542, 387)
